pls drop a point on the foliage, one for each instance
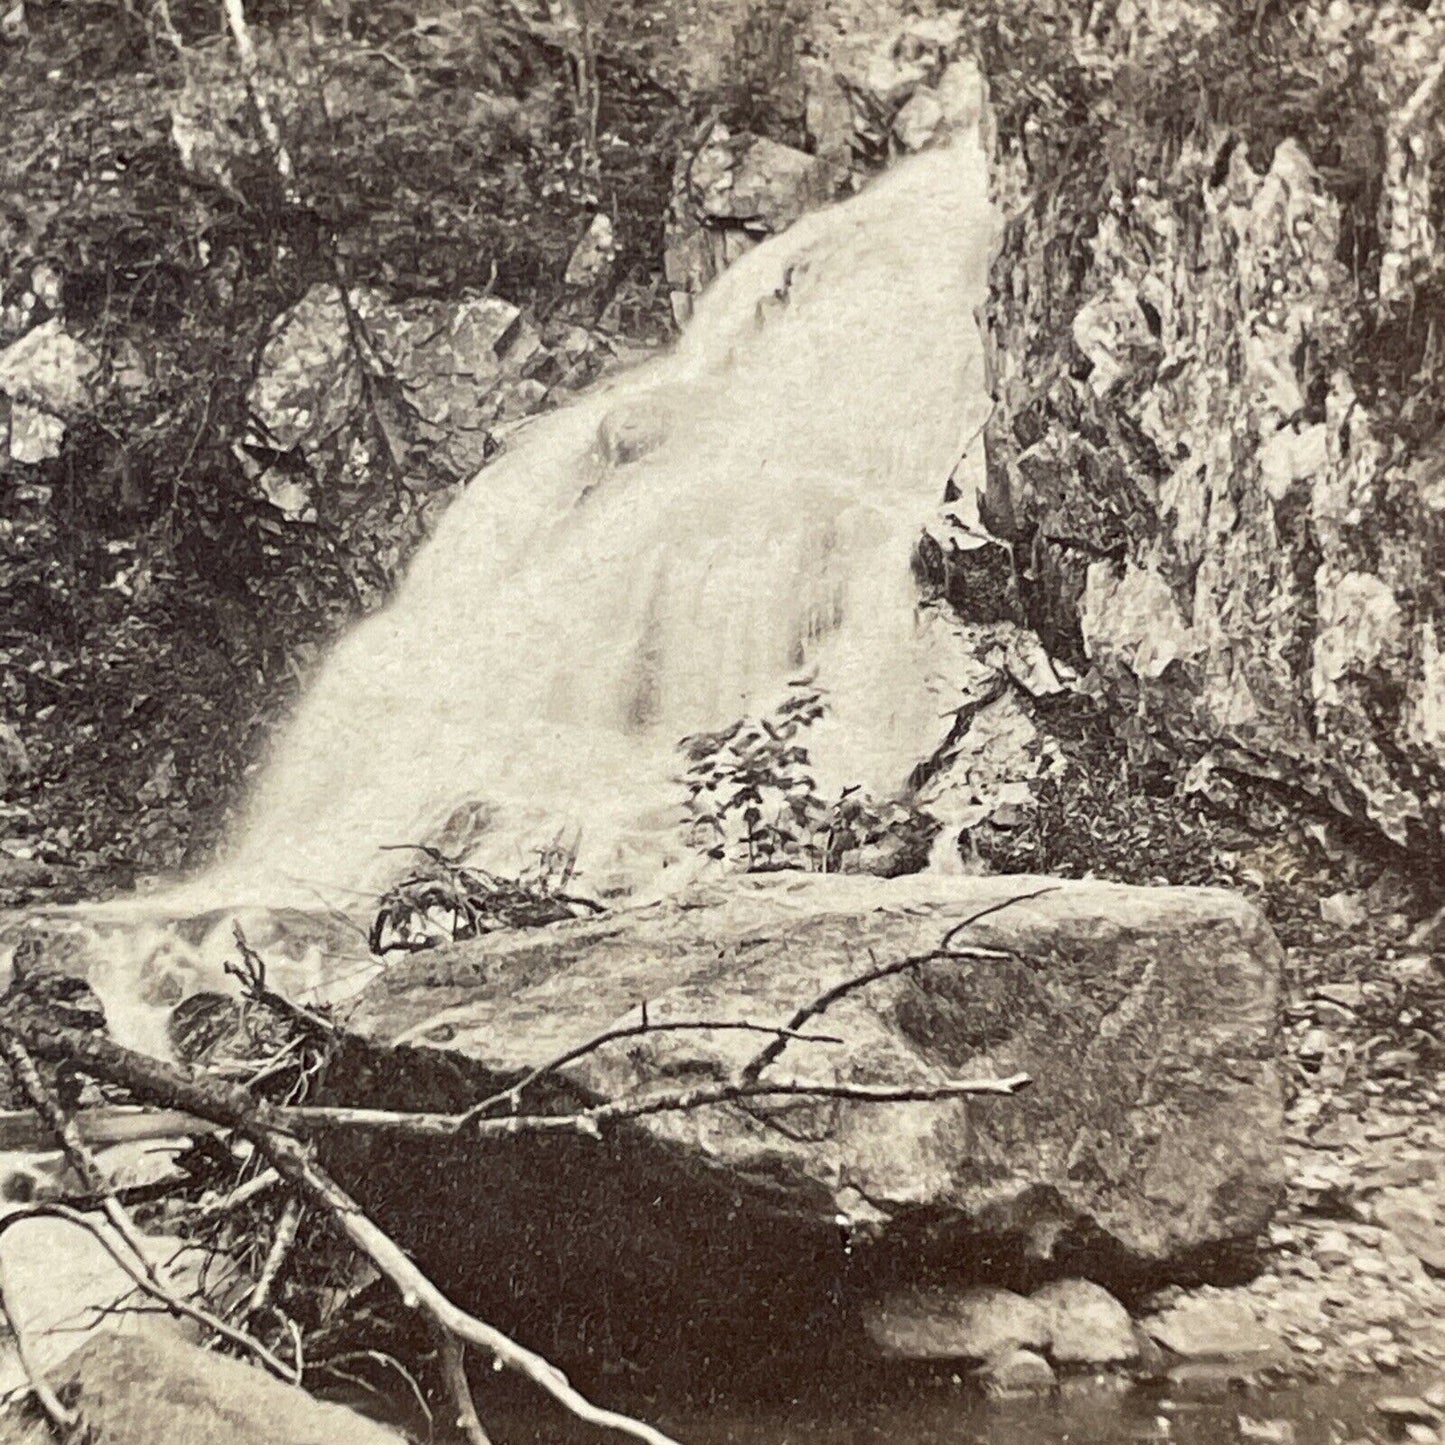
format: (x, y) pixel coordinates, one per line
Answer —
(162, 611)
(752, 801)
(444, 900)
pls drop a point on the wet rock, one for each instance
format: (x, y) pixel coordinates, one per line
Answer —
(1086, 1324)
(1100, 983)
(150, 1384)
(459, 364)
(732, 191)
(939, 1323)
(1017, 1372)
(1211, 1327)
(919, 120)
(1194, 462)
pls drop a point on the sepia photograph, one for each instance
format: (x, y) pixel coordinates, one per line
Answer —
(722, 722)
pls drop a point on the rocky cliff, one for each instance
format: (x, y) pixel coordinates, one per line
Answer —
(1214, 333)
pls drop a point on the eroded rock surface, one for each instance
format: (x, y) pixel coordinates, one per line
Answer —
(1147, 1018)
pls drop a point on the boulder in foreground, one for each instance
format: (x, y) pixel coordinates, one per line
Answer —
(1147, 1018)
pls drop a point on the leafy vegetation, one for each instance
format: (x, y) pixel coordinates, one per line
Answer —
(752, 801)
(162, 610)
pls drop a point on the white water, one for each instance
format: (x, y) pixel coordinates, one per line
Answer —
(659, 557)
(576, 614)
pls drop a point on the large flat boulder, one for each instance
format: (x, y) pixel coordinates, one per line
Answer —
(1147, 1018)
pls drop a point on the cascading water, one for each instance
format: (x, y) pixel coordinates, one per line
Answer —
(658, 558)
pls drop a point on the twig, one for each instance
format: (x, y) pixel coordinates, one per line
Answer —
(308, 1118)
(173, 1302)
(947, 950)
(627, 1031)
(241, 1194)
(267, 1128)
(284, 1239)
(251, 974)
(454, 1369)
(64, 1420)
(62, 1126)
(250, 75)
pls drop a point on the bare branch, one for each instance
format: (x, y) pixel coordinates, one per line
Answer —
(281, 1243)
(268, 1129)
(60, 1124)
(251, 76)
(173, 1302)
(308, 1118)
(947, 951)
(455, 1370)
(513, 1094)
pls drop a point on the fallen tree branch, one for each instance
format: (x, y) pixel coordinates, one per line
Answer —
(947, 951)
(144, 1282)
(626, 1031)
(269, 1130)
(281, 1243)
(92, 1176)
(454, 1369)
(319, 1118)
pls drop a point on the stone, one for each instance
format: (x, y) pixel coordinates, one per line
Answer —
(1408, 1410)
(592, 257)
(1344, 910)
(919, 120)
(14, 758)
(938, 1323)
(1266, 1432)
(1210, 1327)
(1101, 982)
(149, 1385)
(1416, 1220)
(1017, 1372)
(49, 377)
(1333, 1249)
(1086, 1324)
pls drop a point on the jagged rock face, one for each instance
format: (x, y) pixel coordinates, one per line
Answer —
(1212, 498)
(1146, 1017)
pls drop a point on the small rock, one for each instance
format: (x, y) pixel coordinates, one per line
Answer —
(592, 257)
(919, 120)
(1435, 1396)
(1270, 1432)
(1086, 1324)
(942, 1324)
(1413, 1218)
(1408, 1410)
(1333, 1248)
(1016, 1372)
(14, 758)
(1200, 1327)
(1309, 1344)
(1422, 1435)
(1344, 909)
(1313, 1046)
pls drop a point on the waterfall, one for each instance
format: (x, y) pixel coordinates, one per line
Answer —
(661, 556)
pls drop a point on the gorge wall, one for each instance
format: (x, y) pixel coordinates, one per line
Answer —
(1215, 348)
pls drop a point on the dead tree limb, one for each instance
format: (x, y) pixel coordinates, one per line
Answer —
(307, 1118)
(281, 1244)
(947, 950)
(512, 1095)
(454, 1368)
(64, 1420)
(62, 1126)
(172, 1301)
(269, 1130)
